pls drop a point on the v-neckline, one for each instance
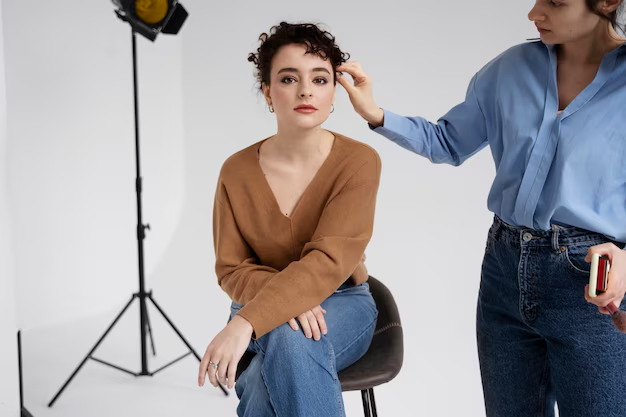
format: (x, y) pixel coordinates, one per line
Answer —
(601, 77)
(268, 188)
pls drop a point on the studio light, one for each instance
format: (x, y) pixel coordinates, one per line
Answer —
(149, 17)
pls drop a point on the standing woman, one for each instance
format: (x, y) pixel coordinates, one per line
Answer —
(553, 113)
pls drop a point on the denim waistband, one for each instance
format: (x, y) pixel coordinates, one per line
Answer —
(555, 237)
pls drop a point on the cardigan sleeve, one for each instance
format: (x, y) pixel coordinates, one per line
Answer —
(328, 260)
(238, 270)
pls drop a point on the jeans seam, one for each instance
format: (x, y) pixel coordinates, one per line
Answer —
(543, 388)
(269, 394)
(335, 378)
(521, 263)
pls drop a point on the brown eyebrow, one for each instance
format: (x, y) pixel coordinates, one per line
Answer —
(318, 69)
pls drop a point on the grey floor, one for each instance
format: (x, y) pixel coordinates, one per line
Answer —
(51, 354)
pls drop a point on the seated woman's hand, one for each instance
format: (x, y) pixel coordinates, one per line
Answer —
(312, 322)
(224, 353)
(616, 286)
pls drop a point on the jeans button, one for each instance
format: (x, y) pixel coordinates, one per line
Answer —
(527, 236)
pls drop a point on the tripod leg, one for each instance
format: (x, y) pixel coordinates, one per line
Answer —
(150, 332)
(91, 351)
(181, 336)
(24, 411)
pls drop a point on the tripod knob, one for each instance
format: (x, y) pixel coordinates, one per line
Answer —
(141, 231)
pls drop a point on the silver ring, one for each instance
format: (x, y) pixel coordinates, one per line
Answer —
(213, 365)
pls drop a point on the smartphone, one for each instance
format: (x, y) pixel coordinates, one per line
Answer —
(599, 274)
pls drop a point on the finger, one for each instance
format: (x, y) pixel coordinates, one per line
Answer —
(315, 328)
(593, 300)
(353, 68)
(319, 316)
(221, 371)
(202, 372)
(602, 300)
(212, 372)
(232, 371)
(349, 87)
(293, 324)
(204, 365)
(603, 249)
(304, 323)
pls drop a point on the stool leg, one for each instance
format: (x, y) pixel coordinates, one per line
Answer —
(367, 405)
(373, 402)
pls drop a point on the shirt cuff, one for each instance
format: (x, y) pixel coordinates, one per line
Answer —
(393, 125)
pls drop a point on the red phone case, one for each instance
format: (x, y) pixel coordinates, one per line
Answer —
(603, 274)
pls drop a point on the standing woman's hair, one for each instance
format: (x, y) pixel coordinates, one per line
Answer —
(614, 17)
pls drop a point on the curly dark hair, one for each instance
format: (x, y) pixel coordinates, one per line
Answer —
(316, 40)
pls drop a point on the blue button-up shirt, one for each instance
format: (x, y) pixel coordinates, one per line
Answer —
(567, 169)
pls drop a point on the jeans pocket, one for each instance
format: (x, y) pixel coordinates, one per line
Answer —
(575, 254)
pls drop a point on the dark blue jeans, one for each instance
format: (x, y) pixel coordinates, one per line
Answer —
(539, 340)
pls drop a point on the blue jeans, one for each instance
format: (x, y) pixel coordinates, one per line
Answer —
(539, 340)
(292, 376)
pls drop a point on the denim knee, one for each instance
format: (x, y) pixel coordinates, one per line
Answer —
(284, 340)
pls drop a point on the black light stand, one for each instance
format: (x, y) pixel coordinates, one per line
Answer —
(23, 411)
(142, 295)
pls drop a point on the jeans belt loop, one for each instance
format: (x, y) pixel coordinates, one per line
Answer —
(555, 238)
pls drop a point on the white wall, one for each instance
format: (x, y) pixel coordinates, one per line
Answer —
(9, 388)
(72, 155)
(72, 165)
(431, 220)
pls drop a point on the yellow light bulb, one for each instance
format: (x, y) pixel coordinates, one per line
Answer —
(151, 11)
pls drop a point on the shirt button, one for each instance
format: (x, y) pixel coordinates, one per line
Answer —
(527, 236)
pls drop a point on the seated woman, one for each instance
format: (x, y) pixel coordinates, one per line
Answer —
(293, 215)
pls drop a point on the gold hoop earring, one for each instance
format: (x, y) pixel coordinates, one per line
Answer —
(332, 108)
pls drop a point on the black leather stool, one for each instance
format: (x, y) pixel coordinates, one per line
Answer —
(382, 361)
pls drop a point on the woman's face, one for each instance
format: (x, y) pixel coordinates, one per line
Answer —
(565, 21)
(302, 88)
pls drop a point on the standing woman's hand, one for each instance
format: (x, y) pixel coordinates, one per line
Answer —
(616, 286)
(360, 93)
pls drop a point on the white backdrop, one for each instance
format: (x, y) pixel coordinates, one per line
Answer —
(71, 165)
(431, 220)
(9, 398)
(72, 154)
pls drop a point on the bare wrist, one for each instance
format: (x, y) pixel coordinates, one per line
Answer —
(375, 117)
(241, 321)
